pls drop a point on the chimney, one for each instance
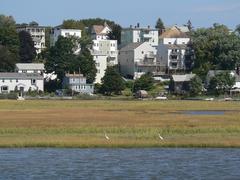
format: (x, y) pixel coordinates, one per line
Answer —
(138, 25)
(148, 27)
(131, 26)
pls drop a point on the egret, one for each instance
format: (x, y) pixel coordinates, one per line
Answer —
(160, 136)
(107, 137)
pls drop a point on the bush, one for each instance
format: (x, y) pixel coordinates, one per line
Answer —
(9, 96)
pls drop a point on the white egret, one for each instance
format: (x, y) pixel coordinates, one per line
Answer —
(106, 136)
(160, 136)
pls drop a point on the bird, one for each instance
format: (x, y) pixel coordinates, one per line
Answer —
(160, 136)
(106, 136)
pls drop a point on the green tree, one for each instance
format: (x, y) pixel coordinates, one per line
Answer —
(61, 57)
(7, 60)
(221, 83)
(112, 82)
(145, 82)
(27, 51)
(195, 86)
(116, 33)
(86, 65)
(160, 26)
(215, 48)
(9, 39)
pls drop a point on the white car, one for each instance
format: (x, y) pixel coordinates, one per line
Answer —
(161, 98)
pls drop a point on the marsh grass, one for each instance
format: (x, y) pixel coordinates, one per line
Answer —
(127, 123)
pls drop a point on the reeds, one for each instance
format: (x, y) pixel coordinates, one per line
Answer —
(127, 123)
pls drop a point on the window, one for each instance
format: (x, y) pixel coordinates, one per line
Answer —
(16, 80)
(10, 80)
(4, 88)
(33, 81)
(169, 43)
(98, 71)
(3, 80)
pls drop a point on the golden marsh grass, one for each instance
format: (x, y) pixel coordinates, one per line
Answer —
(127, 123)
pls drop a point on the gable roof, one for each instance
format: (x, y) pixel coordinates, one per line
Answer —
(131, 46)
(183, 78)
(30, 66)
(174, 32)
(97, 29)
(20, 75)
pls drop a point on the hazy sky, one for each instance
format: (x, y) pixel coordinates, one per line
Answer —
(202, 13)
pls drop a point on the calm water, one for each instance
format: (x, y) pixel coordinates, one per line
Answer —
(119, 164)
(208, 112)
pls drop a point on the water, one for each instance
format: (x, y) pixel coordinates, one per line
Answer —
(119, 164)
(208, 112)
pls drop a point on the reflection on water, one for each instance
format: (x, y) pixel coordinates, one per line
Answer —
(119, 163)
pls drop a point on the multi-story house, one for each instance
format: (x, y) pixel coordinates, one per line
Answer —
(59, 31)
(173, 51)
(100, 32)
(104, 50)
(136, 59)
(77, 83)
(137, 34)
(37, 33)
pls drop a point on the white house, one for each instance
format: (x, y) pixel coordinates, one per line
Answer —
(172, 50)
(136, 59)
(77, 83)
(59, 31)
(103, 45)
(30, 68)
(20, 81)
(138, 34)
(108, 48)
(100, 32)
(101, 65)
(37, 33)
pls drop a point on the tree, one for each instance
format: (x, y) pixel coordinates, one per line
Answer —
(215, 48)
(145, 82)
(160, 26)
(112, 82)
(9, 42)
(221, 83)
(195, 86)
(61, 57)
(87, 65)
(189, 25)
(116, 33)
(7, 60)
(27, 50)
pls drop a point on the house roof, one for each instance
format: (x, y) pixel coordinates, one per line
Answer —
(182, 78)
(131, 46)
(97, 29)
(174, 32)
(30, 66)
(74, 75)
(176, 46)
(183, 29)
(213, 73)
(20, 75)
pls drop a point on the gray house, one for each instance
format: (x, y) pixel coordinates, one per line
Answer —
(180, 83)
(77, 83)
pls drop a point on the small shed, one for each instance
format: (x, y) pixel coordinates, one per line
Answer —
(141, 94)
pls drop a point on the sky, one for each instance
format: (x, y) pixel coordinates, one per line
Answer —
(202, 13)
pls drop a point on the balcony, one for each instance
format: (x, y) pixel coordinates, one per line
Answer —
(147, 63)
(147, 36)
(149, 55)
